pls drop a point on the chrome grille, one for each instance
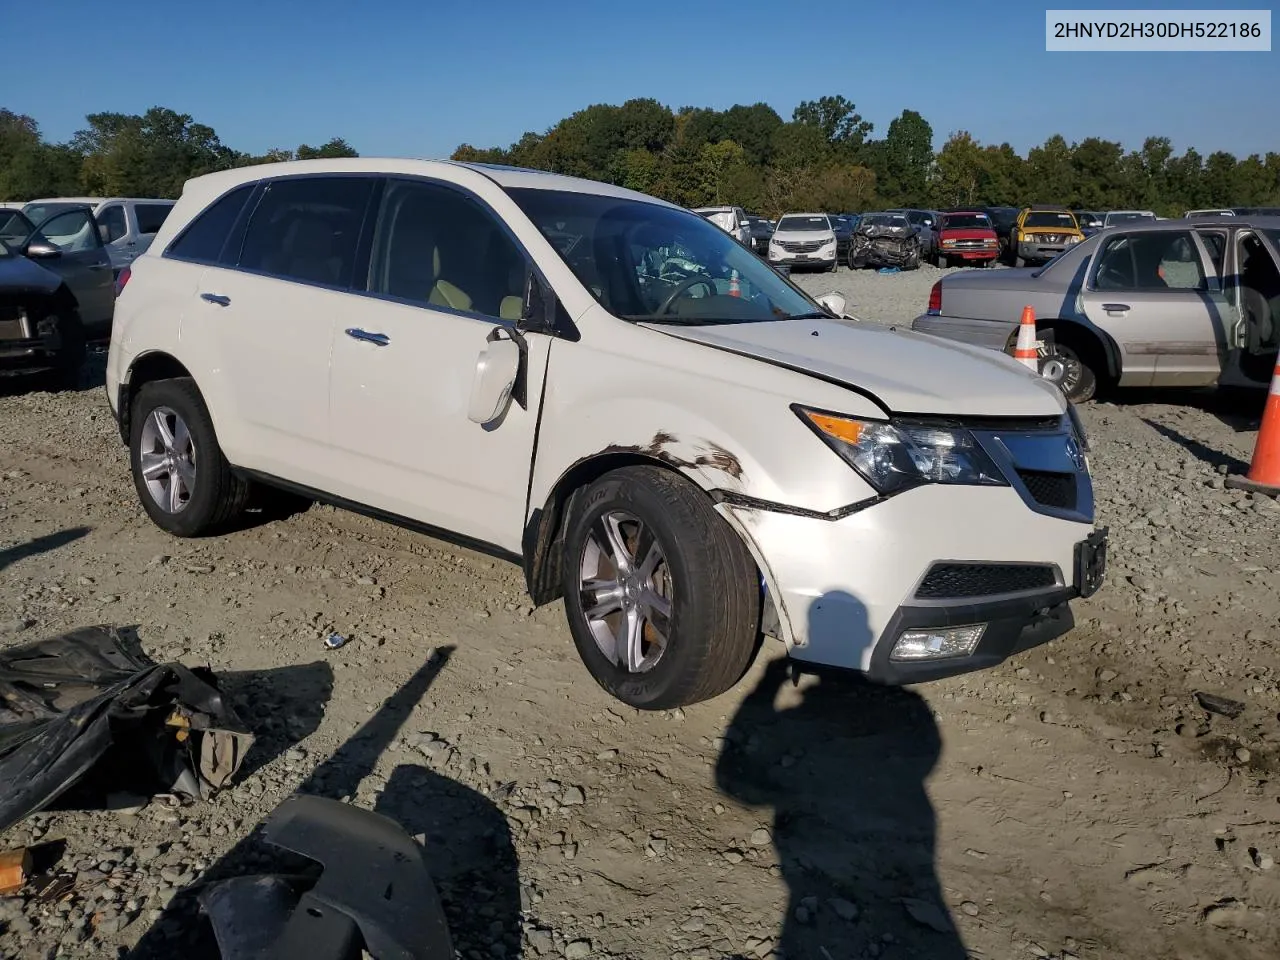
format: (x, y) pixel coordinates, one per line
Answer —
(800, 246)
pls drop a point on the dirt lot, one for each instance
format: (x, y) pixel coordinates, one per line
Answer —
(1075, 802)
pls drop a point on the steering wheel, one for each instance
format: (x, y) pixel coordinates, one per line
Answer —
(684, 287)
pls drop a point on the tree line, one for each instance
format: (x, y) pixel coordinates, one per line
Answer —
(825, 157)
(125, 155)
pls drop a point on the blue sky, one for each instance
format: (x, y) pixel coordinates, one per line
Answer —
(417, 77)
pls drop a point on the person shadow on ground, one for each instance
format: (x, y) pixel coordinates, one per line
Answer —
(842, 762)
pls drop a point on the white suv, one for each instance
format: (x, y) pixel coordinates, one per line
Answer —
(612, 392)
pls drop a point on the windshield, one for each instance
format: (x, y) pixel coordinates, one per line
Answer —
(1064, 221)
(4, 250)
(885, 220)
(1128, 217)
(966, 221)
(38, 212)
(1273, 234)
(801, 224)
(649, 262)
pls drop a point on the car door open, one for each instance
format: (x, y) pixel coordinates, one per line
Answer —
(69, 243)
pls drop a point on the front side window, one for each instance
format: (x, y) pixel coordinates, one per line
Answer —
(71, 231)
(111, 219)
(151, 216)
(649, 262)
(37, 212)
(435, 246)
(308, 229)
(1164, 260)
(15, 227)
(205, 237)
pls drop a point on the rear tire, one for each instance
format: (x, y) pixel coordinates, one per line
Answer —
(68, 363)
(696, 608)
(1080, 382)
(187, 487)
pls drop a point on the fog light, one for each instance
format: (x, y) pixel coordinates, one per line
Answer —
(935, 644)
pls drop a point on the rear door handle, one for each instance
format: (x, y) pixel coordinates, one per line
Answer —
(216, 298)
(378, 339)
(1116, 307)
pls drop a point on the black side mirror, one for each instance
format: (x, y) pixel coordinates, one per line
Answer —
(538, 312)
(41, 250)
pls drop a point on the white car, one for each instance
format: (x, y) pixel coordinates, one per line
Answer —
(611, 392)
(1117, 217)
(732, 220)
(127, 224)
(805, 240)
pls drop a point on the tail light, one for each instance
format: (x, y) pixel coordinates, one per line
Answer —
(935, 299)
(123, 278)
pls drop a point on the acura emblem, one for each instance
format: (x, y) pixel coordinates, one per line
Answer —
(1073, 451)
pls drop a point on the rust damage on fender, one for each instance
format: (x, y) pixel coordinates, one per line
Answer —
(710, 455)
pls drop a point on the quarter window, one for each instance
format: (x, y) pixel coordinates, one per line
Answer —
(204, 239)
(112, 220)
(1163, 260)
(308, 229)
(435, 246)
(1216, 244)
(151, 216)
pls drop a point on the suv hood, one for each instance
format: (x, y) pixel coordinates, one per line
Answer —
(967, 233)
(906, 372)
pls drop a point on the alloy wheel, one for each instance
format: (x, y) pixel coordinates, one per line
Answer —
(167, 459)
(625, 588)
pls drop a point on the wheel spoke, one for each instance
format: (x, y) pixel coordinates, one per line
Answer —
(161, 425)
(607, 533)
(175, 492)
(629, 635)
(657, 611)
(153, 465)
(648, 553)
(187, 472)
(181, 437)
(605, 597)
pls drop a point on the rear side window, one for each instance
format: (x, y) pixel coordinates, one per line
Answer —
(203, 240)
(308, 229)
(1165, 260)
(151, 216)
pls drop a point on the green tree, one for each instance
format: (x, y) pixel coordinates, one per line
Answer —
(836, 117)
(716, 162)
(960, 171)
(1050, 172)
(1096, 174)
(906, 159)
(337, 147)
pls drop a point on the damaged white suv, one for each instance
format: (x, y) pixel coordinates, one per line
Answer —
(612, 392)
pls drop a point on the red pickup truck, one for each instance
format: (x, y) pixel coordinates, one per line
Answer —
(967, 236)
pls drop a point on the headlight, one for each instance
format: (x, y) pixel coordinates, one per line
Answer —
(774, 243)
(895, 456)
(829, 241)
(1074, 239)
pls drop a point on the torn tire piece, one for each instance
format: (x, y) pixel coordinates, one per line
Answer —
(67, 700)
(1223, 706)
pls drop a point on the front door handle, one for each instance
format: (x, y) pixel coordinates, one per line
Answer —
(1116, 307)
(216, 298)
(378, 339)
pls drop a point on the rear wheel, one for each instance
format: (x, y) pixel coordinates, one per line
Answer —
(662, 597)
(1079, 381)
(184, 482)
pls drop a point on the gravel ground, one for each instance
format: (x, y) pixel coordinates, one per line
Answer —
(1074, 802)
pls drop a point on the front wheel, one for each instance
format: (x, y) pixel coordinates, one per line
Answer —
(184, 482)
(913, 260)
(662, 597)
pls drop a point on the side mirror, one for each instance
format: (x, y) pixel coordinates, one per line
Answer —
(496, 370)
(744, 223)
(41, 250)
(833, 302)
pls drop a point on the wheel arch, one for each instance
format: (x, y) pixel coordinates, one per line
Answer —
(543, 538)
(1085, 339)
(146, 368)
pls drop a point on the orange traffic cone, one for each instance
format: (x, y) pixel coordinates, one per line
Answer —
(1024, 350)
(735, 289)
(1264, 472)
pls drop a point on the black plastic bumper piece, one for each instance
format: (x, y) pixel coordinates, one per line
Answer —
(1013, 626)
(375, 894)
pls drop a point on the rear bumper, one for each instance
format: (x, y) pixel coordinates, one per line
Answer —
(21, 354)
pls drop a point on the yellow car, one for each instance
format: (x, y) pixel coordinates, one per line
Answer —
(1041, 233)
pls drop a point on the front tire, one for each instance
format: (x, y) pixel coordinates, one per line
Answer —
(662, 596)
(68, 362)
(183, 481)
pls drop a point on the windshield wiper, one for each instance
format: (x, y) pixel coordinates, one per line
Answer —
(808, 316)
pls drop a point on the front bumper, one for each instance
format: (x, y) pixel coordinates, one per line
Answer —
(845, 589)
(25, 347)
(970, 253)
(818, 259)
(1034, 250)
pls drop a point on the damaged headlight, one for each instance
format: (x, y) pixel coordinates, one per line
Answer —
(895, 456)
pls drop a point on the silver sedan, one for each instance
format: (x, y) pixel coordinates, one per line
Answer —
(1152, 303)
